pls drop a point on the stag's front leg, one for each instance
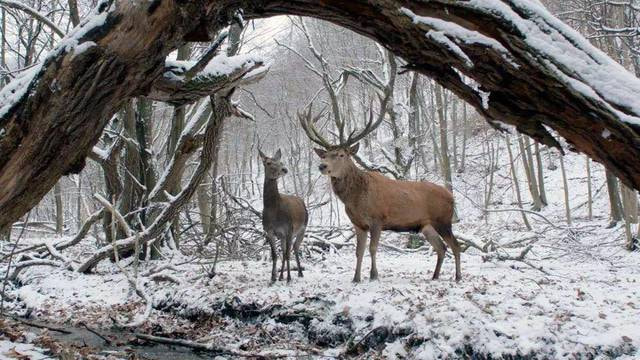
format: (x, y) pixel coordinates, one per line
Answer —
(373, 249)
(361, 242)
(274, 256)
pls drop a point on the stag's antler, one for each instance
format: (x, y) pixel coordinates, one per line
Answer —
(307, 121)
(371, 125)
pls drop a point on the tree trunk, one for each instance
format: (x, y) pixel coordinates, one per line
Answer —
(531, 176)
(465, 126)
(614, 198)
(57, 194)
(567, 207)
(71, 96)
(589, 192)
(73, 12)
(542, 192)
(444, 146)
(516, 184)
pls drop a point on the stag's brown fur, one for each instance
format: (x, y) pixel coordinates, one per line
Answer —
(284, 217)
(375, 203)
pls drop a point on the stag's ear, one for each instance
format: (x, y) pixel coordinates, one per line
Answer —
(262, 155)
(321, 152)
(354, 149)
(278, 155)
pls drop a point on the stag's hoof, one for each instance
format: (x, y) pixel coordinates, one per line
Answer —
(356, 280)
(373, 276)
(300, 274)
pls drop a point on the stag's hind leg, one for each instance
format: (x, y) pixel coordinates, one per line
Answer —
(296, 250)
(452, 242)
(434, 239)
(373, 249)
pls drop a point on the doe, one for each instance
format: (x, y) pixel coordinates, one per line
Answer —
(284, 216)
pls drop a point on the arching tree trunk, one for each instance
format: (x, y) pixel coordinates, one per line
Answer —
(532, 71)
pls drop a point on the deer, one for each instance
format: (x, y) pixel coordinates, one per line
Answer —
(284, 217)
(376, 203)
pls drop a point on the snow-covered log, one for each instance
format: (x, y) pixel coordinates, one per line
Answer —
(178, 88)
(510, 59)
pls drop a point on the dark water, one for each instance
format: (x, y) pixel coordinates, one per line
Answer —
(122, 343)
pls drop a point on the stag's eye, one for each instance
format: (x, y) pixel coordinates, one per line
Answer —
(341, 155)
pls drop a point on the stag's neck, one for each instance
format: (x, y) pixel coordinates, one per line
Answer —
(271, 195)
(351, 185)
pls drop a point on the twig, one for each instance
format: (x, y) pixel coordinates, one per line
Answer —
(6, 275)
(41, 326)
(106, 340)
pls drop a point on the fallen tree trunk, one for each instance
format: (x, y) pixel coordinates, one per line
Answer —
(521, 67)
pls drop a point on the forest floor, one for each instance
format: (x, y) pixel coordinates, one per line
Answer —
(574, 294)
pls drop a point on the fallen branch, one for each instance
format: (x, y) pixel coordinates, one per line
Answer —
(36, 262)
(96, 333)
(41, 326)
(207, 347)
(532, 213)
(519, 258)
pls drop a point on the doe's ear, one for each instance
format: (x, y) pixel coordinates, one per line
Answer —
(278, 155)
(262, 155)
(321, 152)
(354, 149)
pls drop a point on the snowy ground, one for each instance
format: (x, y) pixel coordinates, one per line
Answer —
(576, 294)
(581, 303)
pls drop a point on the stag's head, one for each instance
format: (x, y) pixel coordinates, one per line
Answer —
(336, 159)
(273, 167)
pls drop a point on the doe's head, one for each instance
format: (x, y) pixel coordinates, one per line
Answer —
(273, 167)
(334, 161)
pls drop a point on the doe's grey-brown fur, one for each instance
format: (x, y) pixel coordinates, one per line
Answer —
(284, 217)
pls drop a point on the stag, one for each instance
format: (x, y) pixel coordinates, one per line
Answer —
(284, 216)
(375, 203)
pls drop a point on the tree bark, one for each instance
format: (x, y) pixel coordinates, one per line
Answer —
(72, 95)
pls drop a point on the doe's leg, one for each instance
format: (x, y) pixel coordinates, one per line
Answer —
(274, 257)
(296, 250)
(289, 243)
(283, 245)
